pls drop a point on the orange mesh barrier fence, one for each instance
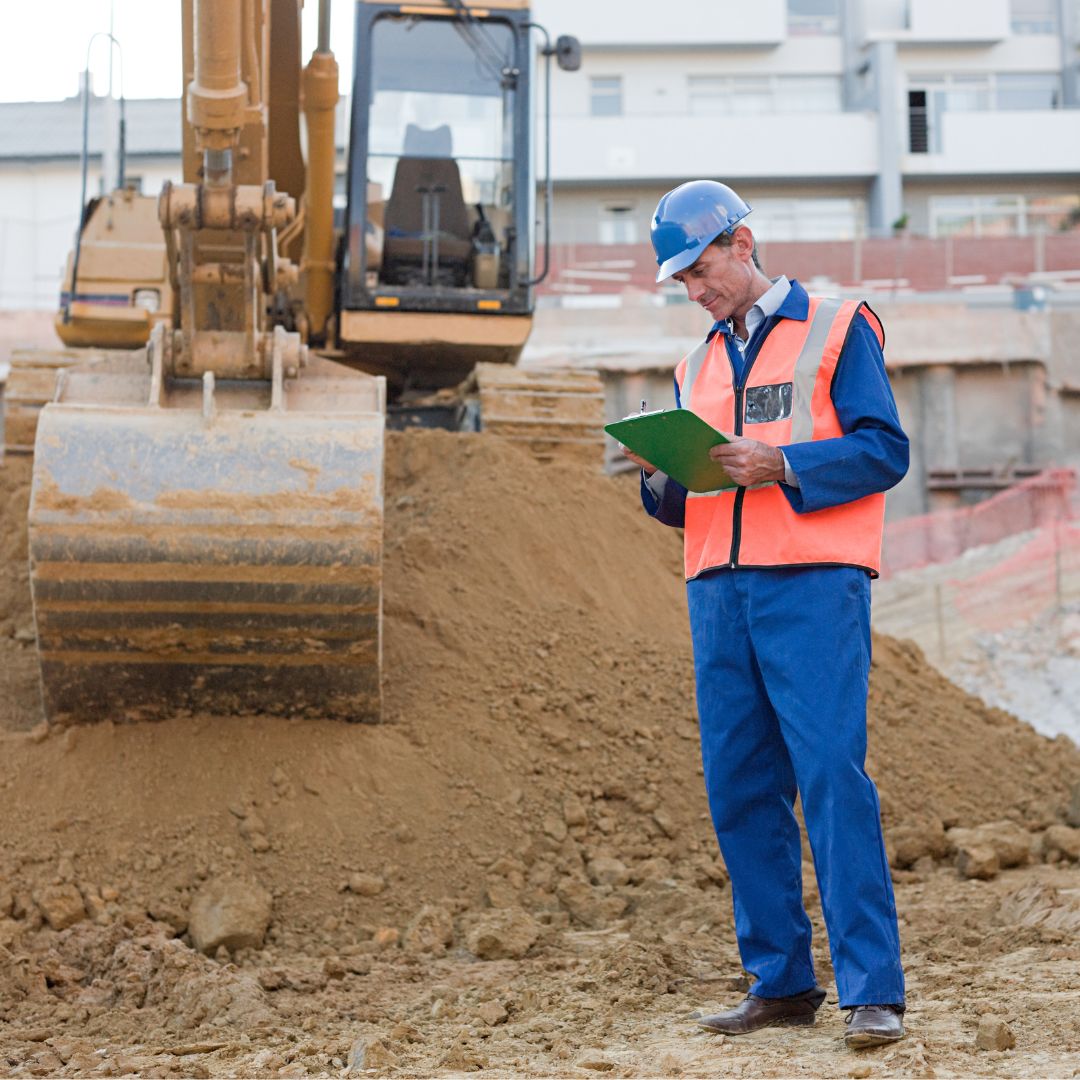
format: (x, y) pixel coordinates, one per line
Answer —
(943, 536)
(957, 574)
(1043, 574)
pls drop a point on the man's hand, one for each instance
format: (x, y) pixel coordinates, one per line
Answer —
(748, 461)
(647, 466)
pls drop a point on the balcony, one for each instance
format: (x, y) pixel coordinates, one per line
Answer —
(781, 146)
(932, 22)
(700, 23)
(1013, 142)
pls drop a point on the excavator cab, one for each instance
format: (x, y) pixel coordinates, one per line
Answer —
(440, 190)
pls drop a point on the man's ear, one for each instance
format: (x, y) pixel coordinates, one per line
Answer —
(742, 241)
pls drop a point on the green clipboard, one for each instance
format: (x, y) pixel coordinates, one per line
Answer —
(677, 442)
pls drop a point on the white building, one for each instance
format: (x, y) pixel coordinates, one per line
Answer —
(836, 119)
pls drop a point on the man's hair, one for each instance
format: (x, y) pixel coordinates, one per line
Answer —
(726, 239)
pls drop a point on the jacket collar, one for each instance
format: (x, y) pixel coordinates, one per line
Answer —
(796, 305)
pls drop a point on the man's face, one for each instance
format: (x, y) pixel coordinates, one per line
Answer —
(722, 279)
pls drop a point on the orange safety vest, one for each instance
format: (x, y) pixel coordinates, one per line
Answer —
(786, 398)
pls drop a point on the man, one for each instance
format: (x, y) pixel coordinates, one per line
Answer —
(778, 583)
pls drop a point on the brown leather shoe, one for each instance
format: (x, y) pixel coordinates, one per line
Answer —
(755, 1012)
(872, 1025)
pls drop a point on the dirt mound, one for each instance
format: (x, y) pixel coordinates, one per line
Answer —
(540, 757)
(938, 752)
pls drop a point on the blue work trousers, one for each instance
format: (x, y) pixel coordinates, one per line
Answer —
(782, 659)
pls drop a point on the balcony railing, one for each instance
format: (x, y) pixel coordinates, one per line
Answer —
(1003, 141)
(775, 144)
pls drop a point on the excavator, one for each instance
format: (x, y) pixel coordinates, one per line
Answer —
(206, 511)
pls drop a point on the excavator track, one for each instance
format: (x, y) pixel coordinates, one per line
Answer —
(557, 415)
(31, 384)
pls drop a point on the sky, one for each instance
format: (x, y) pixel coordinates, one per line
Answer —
(44, 46)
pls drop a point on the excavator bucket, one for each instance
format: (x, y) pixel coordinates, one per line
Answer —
(213, 551)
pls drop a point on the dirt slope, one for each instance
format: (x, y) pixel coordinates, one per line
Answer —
(540, 760)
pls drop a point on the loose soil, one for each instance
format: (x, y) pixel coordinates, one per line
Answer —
(516, 872)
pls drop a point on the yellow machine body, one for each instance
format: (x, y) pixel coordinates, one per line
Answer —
(206, 511)
(123, 281)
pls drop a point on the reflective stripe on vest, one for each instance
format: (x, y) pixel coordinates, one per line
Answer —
(786, 397)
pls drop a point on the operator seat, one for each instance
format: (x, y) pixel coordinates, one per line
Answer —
(409, 238)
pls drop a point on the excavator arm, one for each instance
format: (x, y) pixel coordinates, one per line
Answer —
(206, 512)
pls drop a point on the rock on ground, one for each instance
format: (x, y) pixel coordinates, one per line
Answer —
(914, 839)
(593, 907)
(608, 871)
(504, 934)
(1062, 840)
(431, 931)
(230, 913)
(366, 884)
(61, 905)
(372, 1054)
(994, 1034)
(978, 861)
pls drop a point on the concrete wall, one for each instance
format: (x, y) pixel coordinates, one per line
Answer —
(967, 417)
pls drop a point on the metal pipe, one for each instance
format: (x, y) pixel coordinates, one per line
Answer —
(121, 178)
(217, 167)
(548, 51)
(324, 27)
(85, 156)
(82, 193)
(320, 87)
(251, 56)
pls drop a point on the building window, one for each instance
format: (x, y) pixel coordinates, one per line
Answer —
(775, 220)
(618, 224)
(1034, 16)
(813, 16)
(753, 95)
(999, 215)
(977, 215)
(708, 95)
(605, 95)
(808, 93)
(1036, 91)
(936, 95)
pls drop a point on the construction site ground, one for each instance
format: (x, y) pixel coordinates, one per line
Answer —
(515, 874)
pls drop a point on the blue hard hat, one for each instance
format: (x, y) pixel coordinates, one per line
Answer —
(688, 219)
